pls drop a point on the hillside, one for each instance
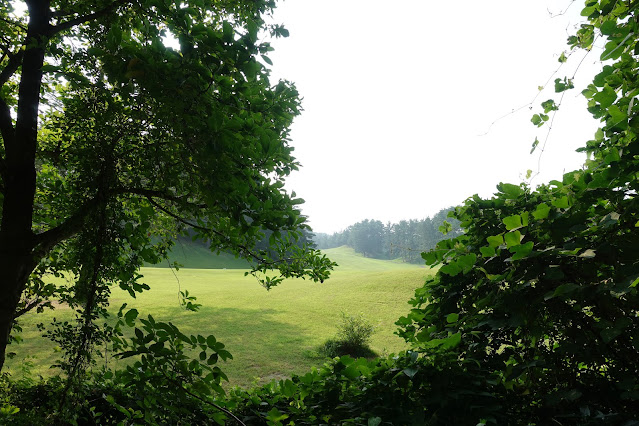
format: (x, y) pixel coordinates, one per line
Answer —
(348, 259)
(271, 334)
(197, 256)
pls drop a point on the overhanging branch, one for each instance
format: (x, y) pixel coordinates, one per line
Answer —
(244, 249)
(87, 18)
(154, 193)
(47, 240)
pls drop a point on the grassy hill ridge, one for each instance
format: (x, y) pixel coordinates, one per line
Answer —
(194, 255)
(348, 259)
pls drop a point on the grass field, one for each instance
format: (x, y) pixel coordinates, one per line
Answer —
(270, 334)
(198, 256)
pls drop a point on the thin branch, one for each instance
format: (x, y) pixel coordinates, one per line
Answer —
(61, 14)
(15, 61)
(184, 221)
(87, 18)
(244, 249)
(144, 192)
(29, 307)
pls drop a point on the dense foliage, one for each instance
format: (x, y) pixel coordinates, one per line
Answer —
(532, 317)
(541, 290)
(113, 143)
(405, 240)
(353, 338)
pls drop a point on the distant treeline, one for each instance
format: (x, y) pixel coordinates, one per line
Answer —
(405, 240)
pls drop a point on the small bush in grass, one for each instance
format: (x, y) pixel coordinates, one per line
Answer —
(353, 337)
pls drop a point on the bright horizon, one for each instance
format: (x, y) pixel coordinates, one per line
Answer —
(399, 102)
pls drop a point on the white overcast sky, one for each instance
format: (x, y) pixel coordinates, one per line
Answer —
(398, 93)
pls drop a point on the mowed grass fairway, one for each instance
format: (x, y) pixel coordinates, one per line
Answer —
(271, 334)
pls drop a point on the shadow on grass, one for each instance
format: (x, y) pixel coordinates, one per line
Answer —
(332, 348)
(261, 344)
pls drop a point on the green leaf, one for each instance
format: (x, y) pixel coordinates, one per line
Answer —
(452, 341)
(512, 238)
(211, 342)
(352, 371)
(227, 31)
(50, 68)
(536, 120)
(549, 105)
(451, 318)
(495, 241)
(487, 251)
(541, 212)
(563, 85)
(453, 269)
(588, 254)
(446, 227)
(600, 79)
(251, 69)
(251, 26)
(605, 97)
(410, 372)
(130, 317)
(610, 334)
(466, 262)
(565, 289)
(534, 147)
(561, 203)
(521, 251)
(512, 222)
(509, 190)
(617, 117)
(212, 359)
(430, 257)
(376, 421)
(608, 27)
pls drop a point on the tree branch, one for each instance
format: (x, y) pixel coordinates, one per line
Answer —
(29, 307)
(244, 249)
(45, 241)
(15, 61)
(87, 18)
(144, 192)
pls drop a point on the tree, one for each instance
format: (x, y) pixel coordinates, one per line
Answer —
(113, 143)
(540, 292)
(366, 237)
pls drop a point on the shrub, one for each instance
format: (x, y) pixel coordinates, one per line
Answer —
(353, 337)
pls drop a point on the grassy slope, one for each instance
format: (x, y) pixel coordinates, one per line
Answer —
(270, 334)
(197, 256)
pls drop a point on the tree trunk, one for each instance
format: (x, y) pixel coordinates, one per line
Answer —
(16, 235)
